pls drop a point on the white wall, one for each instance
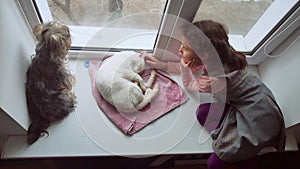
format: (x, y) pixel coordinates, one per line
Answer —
(16, 46)
(281, 74)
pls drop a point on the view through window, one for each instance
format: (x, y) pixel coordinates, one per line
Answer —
(102, 12)
(122, 20)
(134, 23)
(238, 15)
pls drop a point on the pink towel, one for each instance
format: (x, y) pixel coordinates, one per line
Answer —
(169, 97)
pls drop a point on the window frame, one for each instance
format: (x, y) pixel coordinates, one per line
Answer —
(262, 33)
(80, 40)
(253, 44)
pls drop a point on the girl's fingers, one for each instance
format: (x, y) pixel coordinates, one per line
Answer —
(151, 58)
(204, 77)
(195, 62)
(182, 62)
(150, 62)
(143, 54)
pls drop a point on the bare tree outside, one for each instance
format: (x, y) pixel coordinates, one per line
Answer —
(65, 7)
(115, 8)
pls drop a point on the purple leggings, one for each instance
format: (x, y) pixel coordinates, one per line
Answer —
(214, 162)
(210, 116)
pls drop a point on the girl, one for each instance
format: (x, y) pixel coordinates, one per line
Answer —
(248, 117)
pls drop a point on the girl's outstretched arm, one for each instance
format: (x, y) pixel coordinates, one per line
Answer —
(152, 62)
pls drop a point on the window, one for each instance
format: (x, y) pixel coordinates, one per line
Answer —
(253, 24)
(114, 25)
(248, 21)
(238, 15)
(107, 24)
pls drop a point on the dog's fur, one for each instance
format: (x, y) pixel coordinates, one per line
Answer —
(120, 84)
(49, 82)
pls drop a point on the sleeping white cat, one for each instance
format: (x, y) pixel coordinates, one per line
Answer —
(120, 84)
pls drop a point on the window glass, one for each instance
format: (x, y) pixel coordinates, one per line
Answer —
(238, 15)
(102, 12)
(107, 24)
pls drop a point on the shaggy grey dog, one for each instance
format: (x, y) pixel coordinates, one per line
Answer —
(49, 82)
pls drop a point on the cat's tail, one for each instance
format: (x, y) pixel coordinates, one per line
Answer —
(36, 130)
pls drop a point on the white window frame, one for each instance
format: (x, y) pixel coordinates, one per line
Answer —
(253, 44)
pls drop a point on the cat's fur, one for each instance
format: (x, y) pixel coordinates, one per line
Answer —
(120, 84)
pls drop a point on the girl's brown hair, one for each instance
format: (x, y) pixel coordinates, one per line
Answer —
(217, 35)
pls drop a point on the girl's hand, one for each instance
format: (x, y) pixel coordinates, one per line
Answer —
(196, 62)
(143, 54)
(152, 62)
(183, 63)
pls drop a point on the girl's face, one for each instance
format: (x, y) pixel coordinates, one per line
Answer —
(187, 53)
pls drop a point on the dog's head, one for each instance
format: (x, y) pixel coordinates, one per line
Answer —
(53, 36)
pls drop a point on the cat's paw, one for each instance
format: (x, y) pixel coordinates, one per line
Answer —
(151, 93)
(151, 79)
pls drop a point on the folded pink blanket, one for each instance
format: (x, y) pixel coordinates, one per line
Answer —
(169, 97)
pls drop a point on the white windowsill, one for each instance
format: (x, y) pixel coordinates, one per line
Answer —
(177, 132)
(88, 132)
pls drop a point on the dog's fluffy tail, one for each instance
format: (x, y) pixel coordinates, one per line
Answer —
(36, 130)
